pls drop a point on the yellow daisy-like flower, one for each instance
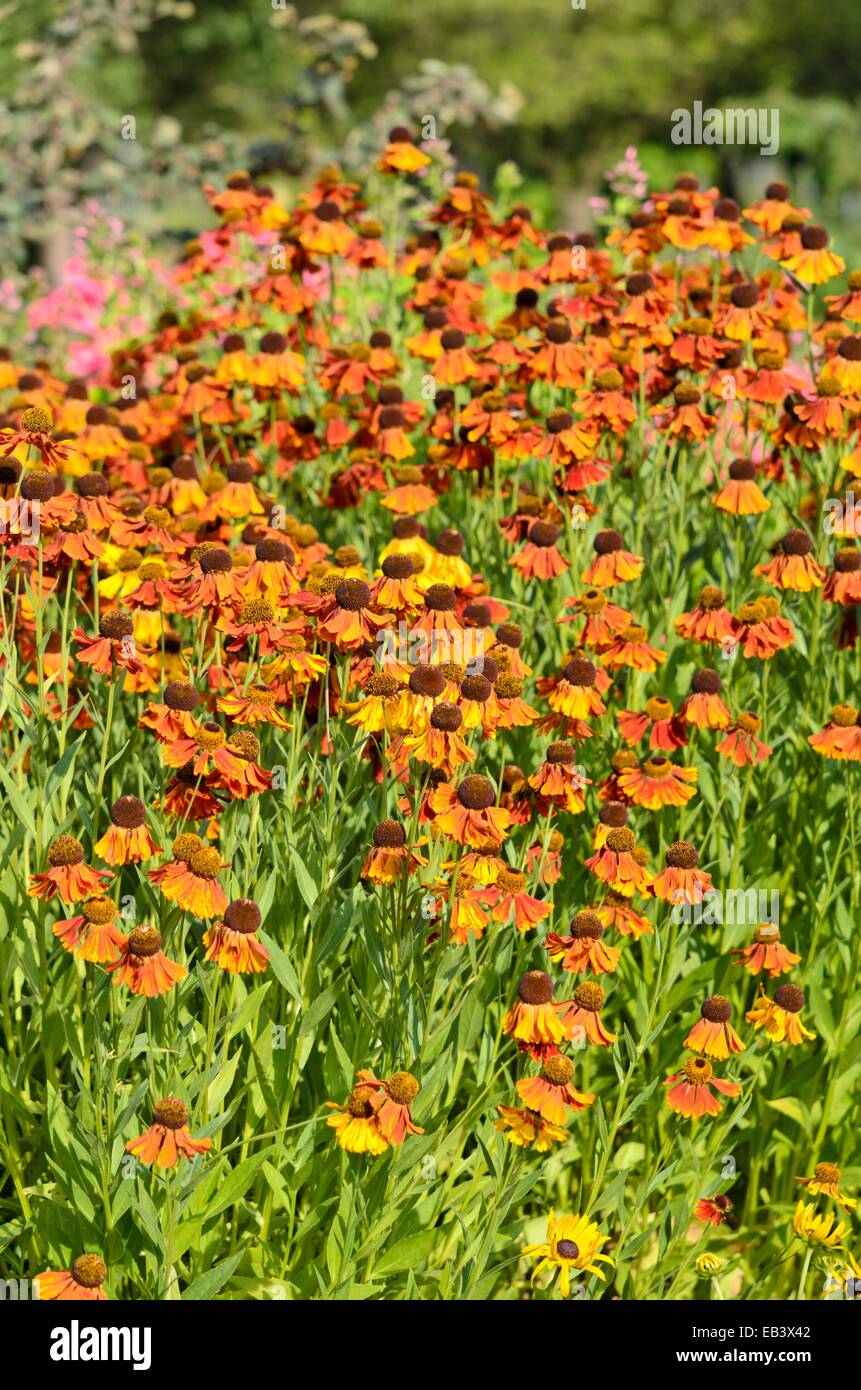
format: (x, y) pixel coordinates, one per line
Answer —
(816, 1229)
(573, 1242)
(826, 1178)
(707, 1265)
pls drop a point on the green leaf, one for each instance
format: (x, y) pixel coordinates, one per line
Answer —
(214, 1279)
(406, 1254)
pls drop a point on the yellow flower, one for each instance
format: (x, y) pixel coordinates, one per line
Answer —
(818, 1230)
(826, 1178)
(706, 1265)
(573, 1242)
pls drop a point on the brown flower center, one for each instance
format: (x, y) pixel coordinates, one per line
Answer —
(402, 1087)
(589, 996)
(170, 1112)
(716, 1009)
(535, 987)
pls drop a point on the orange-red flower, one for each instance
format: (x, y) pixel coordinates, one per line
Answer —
(681, 881)
(616, 865)
(713, 1211)
(389, 857)
(68, 875)
(581, 1015)
(167, 1137)
(391, 1100)
(143, 966)
(508, 898)
(658, 783)
(232, 942)
(690, 1089)
(794, 566)
(191, 877)
(741, 744)
(468, 813)
(92, 934)
(583, 952)
(766, 952)
(841, 737)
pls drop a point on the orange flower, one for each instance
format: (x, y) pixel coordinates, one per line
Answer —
(603, 618)
(575, 694)
(613, 564)
(583, 952)
(82, 1282)
(551, 1093)
(794, 567)
(690, 1089)
(539, 557)
(254, 705)
(826, 1179)
(713, 1034)
(742, 495)
(713, 1211)
(532, 1019)
(68, 875)
(841, 737)
(454, 365)
(440, 744)
(401, 155)
(391, 1101)
(631, 648)
(128, 840)
(843, 585)
(814, 263)
(658, 783)
(581, 1015)
(167, 1136)
(760, 631)
(616, 911)
(173, 719)
(766, 952)
(659, 720)
(615, 864)
(508, 898)
(559, 781)
(389, 857)
(741, 744)
(143, 966)
(703, 707)
(681, 881)
(91, 933)
(710, 621)
(468, 814)
(114, 647)
(191, 878)
(232, 943)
